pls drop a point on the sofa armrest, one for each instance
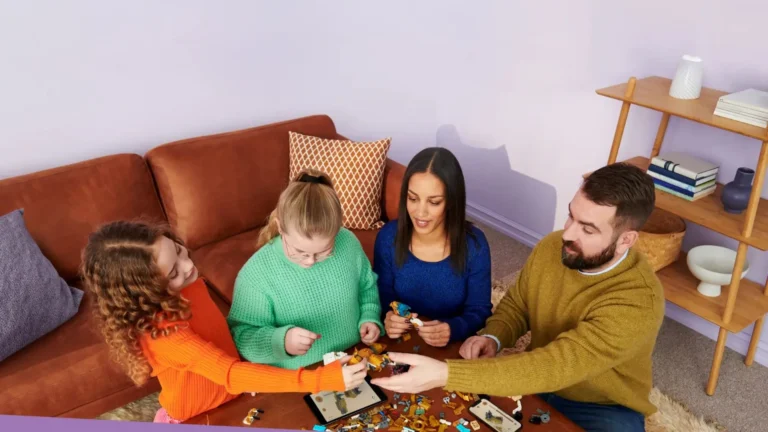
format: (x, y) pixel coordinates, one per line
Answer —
(390, 194)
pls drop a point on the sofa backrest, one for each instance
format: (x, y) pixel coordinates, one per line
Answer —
(63, 205)
(217, 186)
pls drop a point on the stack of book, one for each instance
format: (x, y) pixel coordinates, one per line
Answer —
(747, 106)
(683, 175)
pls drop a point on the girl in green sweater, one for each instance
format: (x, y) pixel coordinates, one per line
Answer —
(309, 289)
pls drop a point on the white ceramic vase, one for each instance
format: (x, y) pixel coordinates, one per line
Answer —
(687, 81)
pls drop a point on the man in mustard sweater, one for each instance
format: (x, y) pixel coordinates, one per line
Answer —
(593, 305)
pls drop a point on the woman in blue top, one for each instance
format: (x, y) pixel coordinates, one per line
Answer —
(431, 258)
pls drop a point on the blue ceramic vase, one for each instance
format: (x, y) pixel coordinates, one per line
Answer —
(736, 193)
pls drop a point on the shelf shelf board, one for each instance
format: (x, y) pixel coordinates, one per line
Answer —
(680, 289)
(709, 213)
(653, 92)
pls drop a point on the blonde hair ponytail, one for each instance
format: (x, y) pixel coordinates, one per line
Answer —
(308, 205)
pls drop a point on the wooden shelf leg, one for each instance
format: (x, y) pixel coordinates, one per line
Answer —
(756, 331)
(733, 289)
(660, 135)
(622, 121)
(714, 373)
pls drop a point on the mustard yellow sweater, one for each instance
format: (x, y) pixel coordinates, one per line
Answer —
(592, 335)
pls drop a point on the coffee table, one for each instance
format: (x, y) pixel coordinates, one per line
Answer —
(289, 411)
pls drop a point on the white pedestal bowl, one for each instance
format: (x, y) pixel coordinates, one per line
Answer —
(713, 266)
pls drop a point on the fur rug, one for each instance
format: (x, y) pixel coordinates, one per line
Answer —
(671, 417)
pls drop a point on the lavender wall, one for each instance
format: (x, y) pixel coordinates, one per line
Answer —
(507, 85)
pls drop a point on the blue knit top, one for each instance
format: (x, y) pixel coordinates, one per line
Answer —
(435, 289)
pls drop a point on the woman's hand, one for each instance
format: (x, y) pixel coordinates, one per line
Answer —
(396, 325)
(369, 333)
(354, 375)
(424, 374)
(298, 341)
(435, 333)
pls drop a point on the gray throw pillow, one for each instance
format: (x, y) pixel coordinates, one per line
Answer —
(34, 299)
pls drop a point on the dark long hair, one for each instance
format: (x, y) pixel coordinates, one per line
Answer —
(443, 164)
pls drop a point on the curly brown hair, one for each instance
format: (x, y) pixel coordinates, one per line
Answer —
(132, 298)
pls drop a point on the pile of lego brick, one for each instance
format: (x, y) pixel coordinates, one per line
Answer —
(408, 414)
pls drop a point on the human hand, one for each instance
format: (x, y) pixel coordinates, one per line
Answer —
(435, 333)
(478, 347)
(369, 333)
(298, 341)
(355, 374)
(424, 374)
(396, 325)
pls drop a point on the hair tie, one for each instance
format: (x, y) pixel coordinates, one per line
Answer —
(308, 178)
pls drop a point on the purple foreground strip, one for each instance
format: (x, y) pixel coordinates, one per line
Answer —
(49, 424)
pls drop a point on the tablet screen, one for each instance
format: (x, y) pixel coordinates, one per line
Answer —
(331, 406)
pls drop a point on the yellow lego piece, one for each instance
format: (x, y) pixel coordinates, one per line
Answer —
(433, 421)
(412, 410)
(458, 410)
(450, 405)
(407, 337)
(442, 427)
(418, 426)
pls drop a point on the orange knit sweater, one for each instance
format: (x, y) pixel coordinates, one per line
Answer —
(199, 368)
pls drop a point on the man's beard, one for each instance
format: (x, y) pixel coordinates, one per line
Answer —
(578, 261)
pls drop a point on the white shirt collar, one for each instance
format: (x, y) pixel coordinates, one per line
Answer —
(609, 268)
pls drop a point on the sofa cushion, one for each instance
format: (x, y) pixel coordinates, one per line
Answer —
(367, 239)
(356, 169)
(61, 371)
(36, 299)
(220, 262)
(62, 206)
(218, 186)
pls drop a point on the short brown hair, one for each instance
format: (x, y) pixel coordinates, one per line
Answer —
(626, 187)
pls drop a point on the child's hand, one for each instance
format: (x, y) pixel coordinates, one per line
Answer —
(396, 325)
(369, 333)
(435, 333)
(354, 375)
(298, 341)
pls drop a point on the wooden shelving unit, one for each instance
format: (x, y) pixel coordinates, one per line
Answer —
(743, 302)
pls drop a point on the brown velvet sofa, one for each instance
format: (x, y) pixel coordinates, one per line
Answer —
(215, 191)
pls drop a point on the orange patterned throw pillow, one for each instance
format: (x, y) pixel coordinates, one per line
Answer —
(357, 171)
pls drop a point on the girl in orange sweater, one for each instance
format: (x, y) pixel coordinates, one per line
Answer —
(159, 320)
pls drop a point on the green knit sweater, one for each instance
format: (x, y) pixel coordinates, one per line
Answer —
(333, 298)
(592, 336)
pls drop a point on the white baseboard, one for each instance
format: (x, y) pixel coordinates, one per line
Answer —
(738, 342)
(502, 224)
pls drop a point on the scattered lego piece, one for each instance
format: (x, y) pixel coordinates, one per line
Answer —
(462, 428)
(420, 411)
(475, 425)
(331, 357)
(445, 422)
(318, 428)
(453, 395)
(544, 415)
(458, 410)
(535, 419)
(396, 396)
(446, 400)
(253, 414)
(442, 415)
(416, 348)
(407, 337)
(407, 429)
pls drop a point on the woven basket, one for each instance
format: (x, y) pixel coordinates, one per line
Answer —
(661, 238)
